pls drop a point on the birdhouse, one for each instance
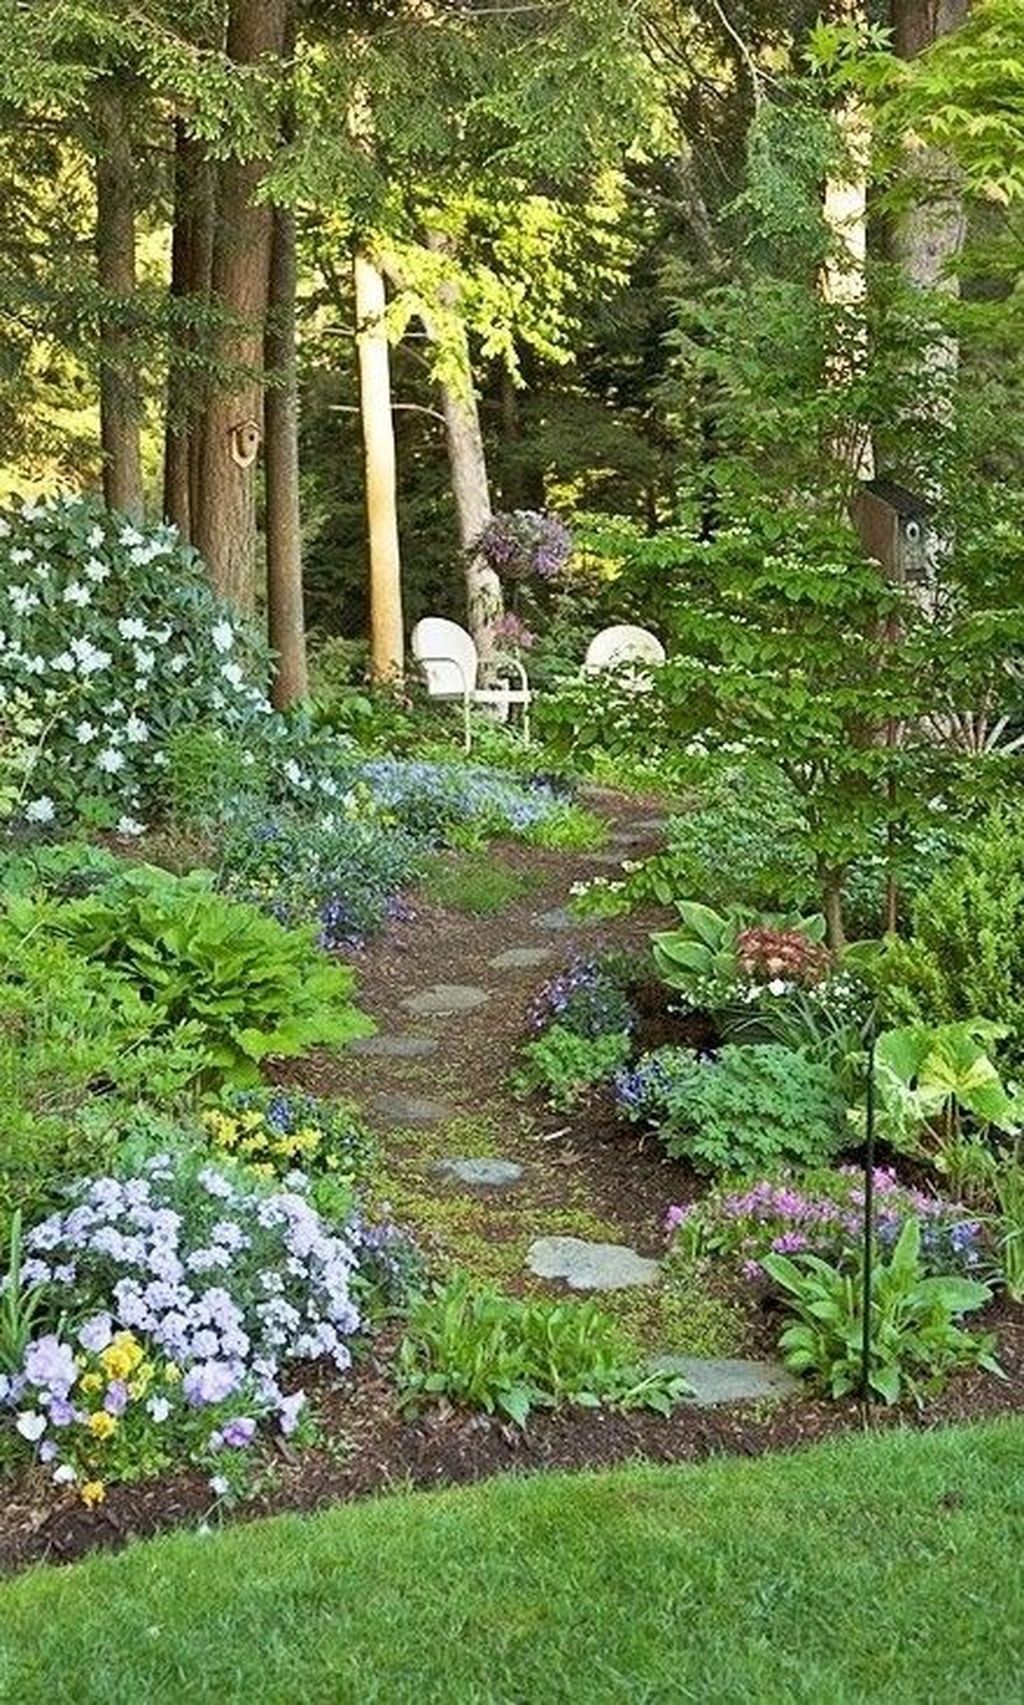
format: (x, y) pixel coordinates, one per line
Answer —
(245, 443)
(894, 527)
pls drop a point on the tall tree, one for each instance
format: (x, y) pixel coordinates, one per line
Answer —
(224, 522)
(285, 614)
(120, 402)
(930, 233)
(191, 261)
(387, 635)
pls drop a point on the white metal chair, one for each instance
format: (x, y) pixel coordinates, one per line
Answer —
(452, 669)
(631, 652)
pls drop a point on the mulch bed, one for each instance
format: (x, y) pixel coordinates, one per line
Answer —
(371, 1448)
(375, 1451)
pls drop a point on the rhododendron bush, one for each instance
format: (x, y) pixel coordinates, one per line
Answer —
(110, 640)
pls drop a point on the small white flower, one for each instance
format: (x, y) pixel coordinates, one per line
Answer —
(144, 660)
(177, 663)
(22, 598)
(35, 665)
(96, 538)
(136, 730)
(132, 627)
(96, 570)
(64, 663)
(219, 1486)
(777, 986)
(64, 1475)
(84, 732)
(76, 593)
(40, 810)
(130, 537)
(130, 826)
(111, 760)
(20, 555)
(223, 636)
(232, 672)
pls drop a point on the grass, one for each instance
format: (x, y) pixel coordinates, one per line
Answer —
(474, 882)
(871, 1569)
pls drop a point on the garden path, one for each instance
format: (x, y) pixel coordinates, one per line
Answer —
(451, 994)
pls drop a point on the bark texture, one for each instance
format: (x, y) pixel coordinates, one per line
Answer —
(387, 633)
(930, 234)
(191, 261)
(224, 520)
(120, 402)
(285, 613)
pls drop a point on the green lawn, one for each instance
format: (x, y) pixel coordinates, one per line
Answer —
(877, 1569)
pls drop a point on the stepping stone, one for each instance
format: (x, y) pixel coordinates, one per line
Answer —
(480, 1174)
(444, 999)
(560, 918)
(413, 1109)
(520, 959)
(728, 1379)
(590, 1266)
(605, 858)
(649, 825)
(394, 1047)
(628, 837)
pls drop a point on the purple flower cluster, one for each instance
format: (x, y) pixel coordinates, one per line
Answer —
(512, 632)
(524, 542)
(587, 998)
(824, 1214)
(230, 1282)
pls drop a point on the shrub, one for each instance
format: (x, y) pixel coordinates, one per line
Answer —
(186, 1291)
(275, 1131)
(500, 1354)
(914, 1341)
(822, 1213)
(249, 987)
(965, 955)
(744, 1110)
(432, 799)
(565, 1065)
(112, 634)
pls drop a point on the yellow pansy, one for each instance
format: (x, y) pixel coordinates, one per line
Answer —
(101, 1425)
(91, 1382)
(93, 1492)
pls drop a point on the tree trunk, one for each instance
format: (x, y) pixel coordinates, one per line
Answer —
(191, 258)
(224, 521)
(386, 623)
(844, 279)
(832, 905)
(285, 614)
(930, 234)
(120, 403)
(467, 460)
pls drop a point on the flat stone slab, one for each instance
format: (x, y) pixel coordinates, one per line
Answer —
(608, 858)
(483, 1173)
(728, 1379)
(394, 1047)
(560, 917)
(649, 825)
(520, 959)
(590, 1266)
(413, 1109)
(444, 999)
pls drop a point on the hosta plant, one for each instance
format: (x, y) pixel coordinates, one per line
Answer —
(915, 1341)
(249, 987)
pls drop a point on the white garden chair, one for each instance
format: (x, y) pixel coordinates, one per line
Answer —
(452, 670)
(631, 652)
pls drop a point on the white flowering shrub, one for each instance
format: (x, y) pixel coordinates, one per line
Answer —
(113, 638)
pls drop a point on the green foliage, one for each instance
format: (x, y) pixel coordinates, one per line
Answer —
(935, 1077)
(247, 987)
(1008, 1183)
(915, 1343)
(568, 828)
(78, 1046)
(965, 954)
(497, 1353)
(567, 1065)
(22, 1307)
(706, 947)
(746, 1110)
